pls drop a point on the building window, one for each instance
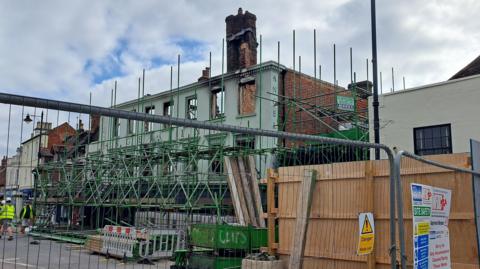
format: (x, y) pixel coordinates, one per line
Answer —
(217, 109)
(216, 143)
(116, 127)
(245, 141)
(167, 111)
(131, 125)
(191, 108)
(247, 98)
(151, 111)
(433, 140)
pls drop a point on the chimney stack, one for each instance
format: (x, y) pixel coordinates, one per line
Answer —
(94, 122)
(80, 126)
(241, 40)
(205, 74)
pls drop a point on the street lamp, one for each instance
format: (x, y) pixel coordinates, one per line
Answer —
(28, 120)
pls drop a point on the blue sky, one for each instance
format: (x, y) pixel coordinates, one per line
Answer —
(69, 49)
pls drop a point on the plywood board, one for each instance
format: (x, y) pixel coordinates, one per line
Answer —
(302, 219)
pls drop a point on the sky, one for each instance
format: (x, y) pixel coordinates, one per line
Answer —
(67, 50)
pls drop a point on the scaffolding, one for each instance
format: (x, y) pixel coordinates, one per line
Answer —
(179, 170)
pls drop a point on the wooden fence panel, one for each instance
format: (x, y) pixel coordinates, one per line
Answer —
(343, 190)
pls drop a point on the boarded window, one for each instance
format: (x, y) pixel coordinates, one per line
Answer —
(246, 102)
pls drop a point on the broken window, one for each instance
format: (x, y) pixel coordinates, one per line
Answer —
(246, 100)
(192, 108)
(131, 125)
(116, 127)
(216, 142)
(245, 141)
(151, 111)
(217, 109)
(167, 111)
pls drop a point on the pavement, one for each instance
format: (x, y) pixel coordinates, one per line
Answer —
(49, 254)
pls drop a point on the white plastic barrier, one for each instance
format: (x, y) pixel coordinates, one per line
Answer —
(161, 243)
(120, 241)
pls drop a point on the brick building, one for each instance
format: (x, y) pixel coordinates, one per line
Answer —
(30, 152)
(264, 95)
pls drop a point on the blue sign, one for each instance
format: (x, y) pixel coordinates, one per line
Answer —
(422, 264)
(421, 253)
(421, 241)
(416, 193)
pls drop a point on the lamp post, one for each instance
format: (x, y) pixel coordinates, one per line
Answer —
(375, 103)
(37, 177)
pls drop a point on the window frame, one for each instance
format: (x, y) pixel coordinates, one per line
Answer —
(150, 110)
(213, 103)
(419, 151)
(187, 107)
(244, 82)
(170, 104)
(116, 127)
(131, 125)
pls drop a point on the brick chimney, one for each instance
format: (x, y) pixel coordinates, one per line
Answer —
(94, 122)
(241, 40)
(205, 74)
(4, 161)
(80, 126)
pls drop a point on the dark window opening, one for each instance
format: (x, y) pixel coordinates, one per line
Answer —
(216, 166)
(216, 162)
(131, 125)
(192, 108)
(151, 111)
(245, 141)
(116, 127)
(433, 140)
(167, 111)
(217, 109)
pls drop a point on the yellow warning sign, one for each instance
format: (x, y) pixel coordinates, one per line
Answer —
(367, 227)
(366, 235)
(422, 228)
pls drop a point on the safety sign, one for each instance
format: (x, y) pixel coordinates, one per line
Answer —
(431, 210)
(366, 237)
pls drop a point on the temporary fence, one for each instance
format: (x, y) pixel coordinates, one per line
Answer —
(450, 196)
(170, 192)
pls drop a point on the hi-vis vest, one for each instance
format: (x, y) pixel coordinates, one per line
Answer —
(8, 212)
(27, 212)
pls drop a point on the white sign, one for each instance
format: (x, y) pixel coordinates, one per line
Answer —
(431, 210)
(439, 235)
